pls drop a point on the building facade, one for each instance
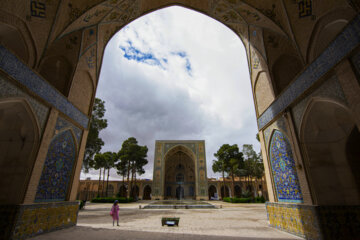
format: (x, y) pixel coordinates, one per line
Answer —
(303, 59)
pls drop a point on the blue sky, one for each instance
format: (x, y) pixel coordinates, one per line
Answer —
(176, 74)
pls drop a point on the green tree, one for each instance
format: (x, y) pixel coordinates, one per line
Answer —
(94, 143)
(122, 168)
(98, 163)
(135, 156)
(253, 165)
(110, 160)
(232, 160)
(218, 166)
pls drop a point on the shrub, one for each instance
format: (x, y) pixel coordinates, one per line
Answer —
(111, 200)
(246, 194)
(244, 200)
(259, 199)
(227, 199)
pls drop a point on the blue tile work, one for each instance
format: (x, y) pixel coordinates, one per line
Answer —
(61, 123)
(347, 41)
(57, 171)
(10, 64)
(283, 168)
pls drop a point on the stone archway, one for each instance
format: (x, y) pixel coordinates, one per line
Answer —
(19, 136)
(212, 190)
(179, 176)
(147, 193)
(328, 135)
(225, 191)
(75, 41)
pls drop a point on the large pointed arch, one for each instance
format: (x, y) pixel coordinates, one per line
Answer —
(19, 140)
(327, 134)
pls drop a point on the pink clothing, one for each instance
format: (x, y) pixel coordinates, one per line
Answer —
(115, 212)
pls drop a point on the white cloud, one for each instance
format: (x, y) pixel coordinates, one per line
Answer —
(212, 101)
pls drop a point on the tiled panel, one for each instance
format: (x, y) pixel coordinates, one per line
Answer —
(189, 145)
(58, 166)
(283, 168)
(315, 222)
(62, 123)
(297, 219)
(20, 72)
(348, 40)
(41, 218)
(9, 90)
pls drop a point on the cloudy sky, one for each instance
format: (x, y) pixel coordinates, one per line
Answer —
(176, 74)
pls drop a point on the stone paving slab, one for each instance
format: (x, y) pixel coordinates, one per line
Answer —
(232, 221)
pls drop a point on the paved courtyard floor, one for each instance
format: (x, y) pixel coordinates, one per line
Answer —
(232, 221)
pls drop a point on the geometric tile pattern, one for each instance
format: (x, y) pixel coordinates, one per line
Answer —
(315, 222)
(62, 123)
(297, 219)
(57, 171)
(10, 64)
(36, 219)
(189, 145)
(343, 44)
(283, 168)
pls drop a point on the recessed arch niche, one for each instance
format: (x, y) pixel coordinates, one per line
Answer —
(179, 174)
(19, 139)
(329, 138)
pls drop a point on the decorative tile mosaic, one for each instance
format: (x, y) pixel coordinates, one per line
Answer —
(62, 123)
(10, 64)
(297, 219)
(278, 124)
(344, 43)
(330, 89)
(41, 218)
(315, 222)
(57, 171)
(283, 168)
(189, 145)
(41, 111)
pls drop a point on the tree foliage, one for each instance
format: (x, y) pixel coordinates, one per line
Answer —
(132, 158)
(94, 142)
(230, 160)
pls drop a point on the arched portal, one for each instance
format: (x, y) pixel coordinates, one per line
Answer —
(225, 191)
(212, 191)
(179, 174)
(329, 137)
(237, 191)
(122, 191)
(19, 136)
(135, 192)
(147, 193)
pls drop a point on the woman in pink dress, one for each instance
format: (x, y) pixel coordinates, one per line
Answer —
(115, 212)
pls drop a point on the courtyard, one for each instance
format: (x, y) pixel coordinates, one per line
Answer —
(230, 221)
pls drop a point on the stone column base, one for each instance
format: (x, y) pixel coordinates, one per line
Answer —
(315, 222)
(27, 220)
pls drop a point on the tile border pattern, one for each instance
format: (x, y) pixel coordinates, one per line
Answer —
(343, 44)
(35, 219)
(10, 64)
(315, 222)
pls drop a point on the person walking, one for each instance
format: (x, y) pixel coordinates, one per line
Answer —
(115, 212)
